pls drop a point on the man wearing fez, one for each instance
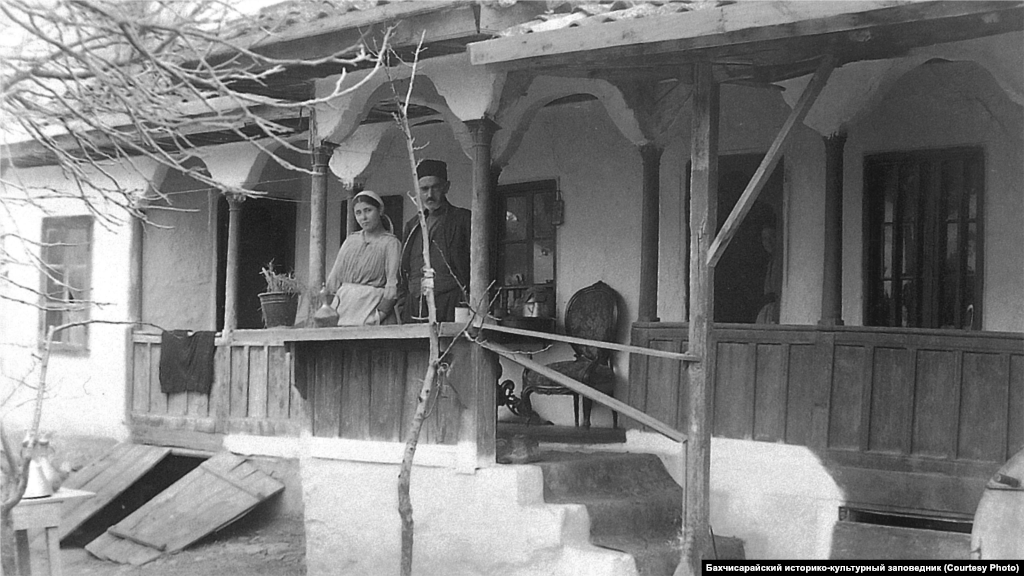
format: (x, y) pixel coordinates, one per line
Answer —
(448, 228)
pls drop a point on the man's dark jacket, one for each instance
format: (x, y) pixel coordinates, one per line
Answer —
(449, 247)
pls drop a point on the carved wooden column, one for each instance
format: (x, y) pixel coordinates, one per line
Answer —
(231, 275)
(647, 310)
(701, 374)
(481, 416)
(832, 270)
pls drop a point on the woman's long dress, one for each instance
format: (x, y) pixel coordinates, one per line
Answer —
(364, 273)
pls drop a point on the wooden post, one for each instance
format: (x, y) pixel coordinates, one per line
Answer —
(832, 269)
(647, 310)
(135, 269)
(703, 202)
(231, 276)
(318, 225)
(480, 422)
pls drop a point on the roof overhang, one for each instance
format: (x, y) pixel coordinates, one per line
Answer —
(760, 41)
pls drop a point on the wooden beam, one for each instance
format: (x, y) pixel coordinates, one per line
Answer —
(594, 343)
(737, 24)
(650, 227)
(832, 263)
(703, 203)
(584, 390)
(771, 159)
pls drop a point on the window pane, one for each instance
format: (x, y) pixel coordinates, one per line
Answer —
(952, 174)
(543, 261)
(887, 251)
(517, 217)
(890, 192)
(543, 208)
(517, 265)
(908, 312)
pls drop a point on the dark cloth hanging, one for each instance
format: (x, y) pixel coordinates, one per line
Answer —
(186, 361)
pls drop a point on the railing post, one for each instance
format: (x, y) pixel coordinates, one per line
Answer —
(703, 203)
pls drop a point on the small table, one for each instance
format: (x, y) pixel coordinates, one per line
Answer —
(42, 513)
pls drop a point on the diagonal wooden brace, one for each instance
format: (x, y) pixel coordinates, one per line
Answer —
(771, 159)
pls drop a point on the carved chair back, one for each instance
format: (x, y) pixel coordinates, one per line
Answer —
(593, 313)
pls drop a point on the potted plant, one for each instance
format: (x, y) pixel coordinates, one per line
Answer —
(281, 300)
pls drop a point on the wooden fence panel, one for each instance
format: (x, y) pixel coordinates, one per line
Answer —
(141, 377)
(355, 393)
(279, 383)
(803, 360)
(734, 390)
(239, 397)
(258, 383)
(157, 399)
(663, 384)
(387, 394)
(326, 372)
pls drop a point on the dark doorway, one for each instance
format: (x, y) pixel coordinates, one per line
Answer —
(267, 234)
(742, 286)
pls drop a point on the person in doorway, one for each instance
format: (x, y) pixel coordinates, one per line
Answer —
(448, 228)
(364, 277)
(769, 312)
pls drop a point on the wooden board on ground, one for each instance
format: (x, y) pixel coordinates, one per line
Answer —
(107, 477)
(218, 492)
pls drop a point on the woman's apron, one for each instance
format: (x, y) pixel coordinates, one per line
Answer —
(357, 304)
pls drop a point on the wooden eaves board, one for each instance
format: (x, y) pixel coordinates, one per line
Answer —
(218, 492)
(107, 477)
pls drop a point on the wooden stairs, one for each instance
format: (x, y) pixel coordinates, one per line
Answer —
(634, 505)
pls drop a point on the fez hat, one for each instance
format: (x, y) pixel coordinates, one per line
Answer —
(432, 168)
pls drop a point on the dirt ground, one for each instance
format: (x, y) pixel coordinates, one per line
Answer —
(250, 546)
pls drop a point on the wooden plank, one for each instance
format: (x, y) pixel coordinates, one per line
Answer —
(162, 436)
(387, 394)
(107, 477)
(239, 396)
(355, 394)
(298, 407)
(278, 382)
(177, 404)
(770, 160)
(219, 491)
(770, 393)
(157, 399)
(847, 403)
(663, 384)
(140, 378)
(890, 402)
(595, 343)
(799, 402)
(984, 396)
(448, 408)
(220, 394)
(198, 404)
(328, 363)
(1015, 408)
(111, 548)
(734, 390)
(258, 382)
(936, 385)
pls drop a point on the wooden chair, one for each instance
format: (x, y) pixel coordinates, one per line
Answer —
(592, 313)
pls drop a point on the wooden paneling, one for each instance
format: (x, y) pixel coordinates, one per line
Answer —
(252, 390)
(355, 393)
(983, 401)
(907, 402)
(852, 370)
(734, 390)
(934, 404)
(770, 392)
(387, 395)
(664, 377)
(325, 369)
(891, 397)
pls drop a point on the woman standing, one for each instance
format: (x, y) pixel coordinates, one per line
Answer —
(364, 277)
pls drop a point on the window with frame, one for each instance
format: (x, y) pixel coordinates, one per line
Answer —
(924, 238)
(526, 249)
(65, 283)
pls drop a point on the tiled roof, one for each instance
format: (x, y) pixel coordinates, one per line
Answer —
(284, 15)
(571, 14)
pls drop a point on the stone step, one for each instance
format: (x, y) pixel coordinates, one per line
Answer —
(860, 541)
(654, 515)
(568, 474)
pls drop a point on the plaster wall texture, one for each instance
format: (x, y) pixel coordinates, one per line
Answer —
(490, 522)
(942, 105)
(86, 393)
